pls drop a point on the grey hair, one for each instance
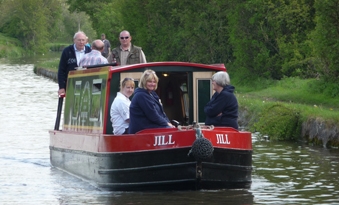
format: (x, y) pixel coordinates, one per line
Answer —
(221, 78)
(77, 33)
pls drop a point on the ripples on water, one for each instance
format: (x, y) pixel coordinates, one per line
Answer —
(283, 173)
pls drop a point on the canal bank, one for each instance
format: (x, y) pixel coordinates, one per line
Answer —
(276, 118)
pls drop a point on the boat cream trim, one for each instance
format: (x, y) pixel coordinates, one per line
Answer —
(196, 77)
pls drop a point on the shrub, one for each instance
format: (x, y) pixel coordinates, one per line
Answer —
(279, 122)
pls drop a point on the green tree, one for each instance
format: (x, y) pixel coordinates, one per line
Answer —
(203, 30)
(151, 26)
(30, 21)
(292, 22)
(326, 38)
(270, 37)
(104, 15)
(179, 30)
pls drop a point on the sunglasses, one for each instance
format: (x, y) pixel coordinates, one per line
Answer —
(122, 38)
(126, 79)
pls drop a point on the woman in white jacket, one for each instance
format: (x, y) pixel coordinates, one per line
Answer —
(120, 107)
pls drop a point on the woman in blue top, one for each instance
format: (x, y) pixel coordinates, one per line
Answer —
(146, 110)
(222, 109)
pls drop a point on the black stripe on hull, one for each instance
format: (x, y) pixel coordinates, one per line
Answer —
(157, 170)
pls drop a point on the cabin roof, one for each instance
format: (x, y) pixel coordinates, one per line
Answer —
(212, 67)
(126, 68)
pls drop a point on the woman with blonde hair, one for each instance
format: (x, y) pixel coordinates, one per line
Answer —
(120, 107)
(146, 110)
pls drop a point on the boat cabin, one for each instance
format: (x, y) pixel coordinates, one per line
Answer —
(184, 89)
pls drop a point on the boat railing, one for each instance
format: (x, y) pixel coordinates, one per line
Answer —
(99, 65)
(192, 127)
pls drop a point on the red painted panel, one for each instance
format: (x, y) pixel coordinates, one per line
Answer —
(224, 139)
(148, 140)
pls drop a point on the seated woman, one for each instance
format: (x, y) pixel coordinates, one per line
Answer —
(120, 107)
(146, 111)
(222, 109)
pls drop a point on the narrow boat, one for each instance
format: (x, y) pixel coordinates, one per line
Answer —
(191, 156)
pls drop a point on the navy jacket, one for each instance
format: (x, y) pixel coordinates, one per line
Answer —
(68, 62)
(226, 103)
(146, 111)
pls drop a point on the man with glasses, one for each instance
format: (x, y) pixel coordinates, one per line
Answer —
(126, 53)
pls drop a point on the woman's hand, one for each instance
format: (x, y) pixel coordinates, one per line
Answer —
(170, 125)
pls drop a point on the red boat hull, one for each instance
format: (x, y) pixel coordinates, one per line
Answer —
(155, 159)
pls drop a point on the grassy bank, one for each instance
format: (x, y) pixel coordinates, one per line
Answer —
(282, 109)
(10, 47)
(13, 48)
(51, 64)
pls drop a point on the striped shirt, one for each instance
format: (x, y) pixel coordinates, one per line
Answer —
(93, 58)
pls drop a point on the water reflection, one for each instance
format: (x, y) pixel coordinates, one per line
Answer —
(283, 173)
(295, 173)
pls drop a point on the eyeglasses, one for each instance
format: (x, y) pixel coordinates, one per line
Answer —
(122, 38)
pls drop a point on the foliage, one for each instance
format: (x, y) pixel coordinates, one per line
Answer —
(57, 47)
(273, 118)
(104, 14)
(270, 37)
(203, 30)
(138, 16)
(37, 22)
(10, 47)
(257, 40)
(328, 88)
(29, 21)
(279, 122)
(51, 64)
(193, 31)
(294, 89)
(326, 38)
(71, 23)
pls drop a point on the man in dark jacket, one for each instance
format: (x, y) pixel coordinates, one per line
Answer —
(222, 109)
(70, 59)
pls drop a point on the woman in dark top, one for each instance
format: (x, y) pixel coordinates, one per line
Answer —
(146, 111)
(222, 109)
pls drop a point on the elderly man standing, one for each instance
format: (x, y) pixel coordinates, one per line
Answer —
(126, 53)
(70, 59)
(94, 57)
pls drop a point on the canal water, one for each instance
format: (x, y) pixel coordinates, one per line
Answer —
(283, 173)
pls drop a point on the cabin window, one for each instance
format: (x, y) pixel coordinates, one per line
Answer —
(76, 105)
(184, 102)
(203, 95)
(96, 100)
